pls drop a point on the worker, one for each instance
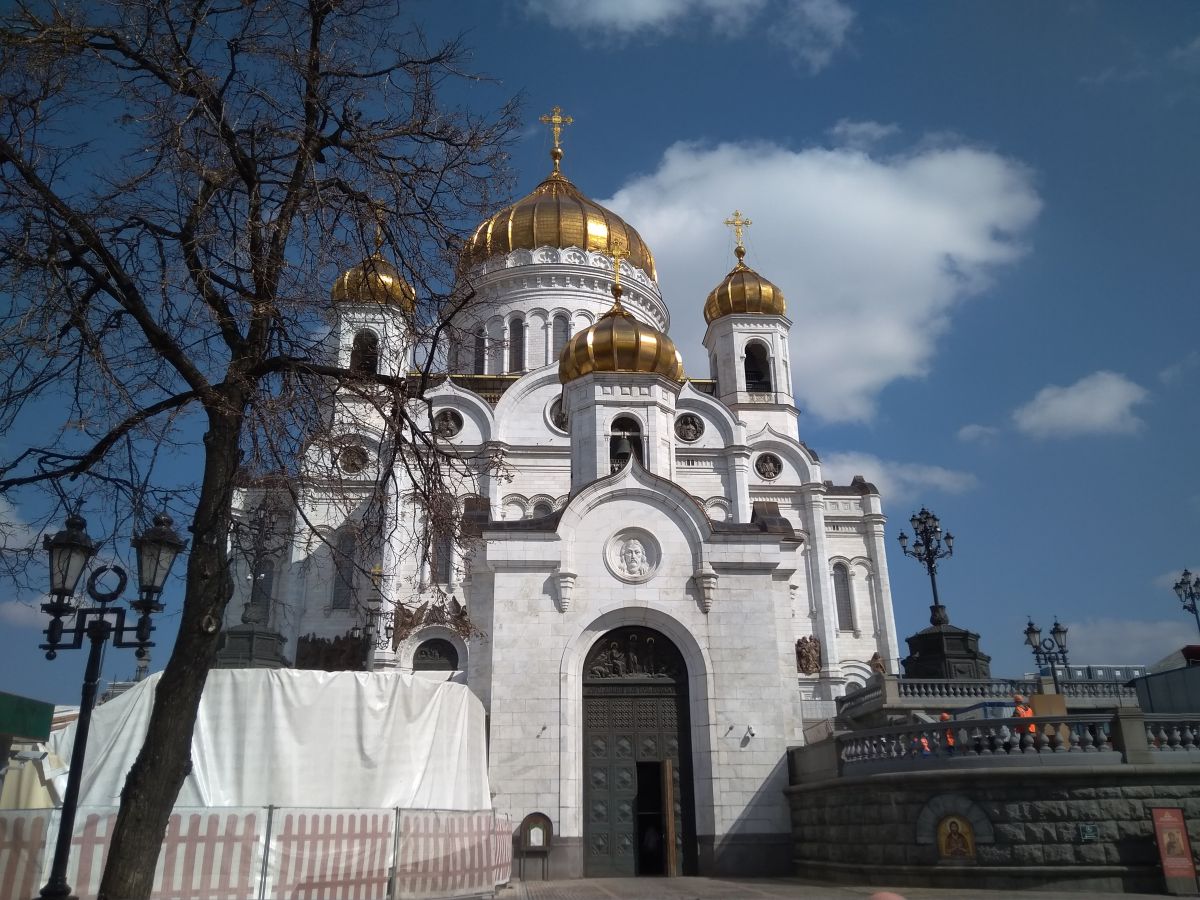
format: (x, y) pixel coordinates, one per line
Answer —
(920, 745)
(947, 735)
(1024, 711)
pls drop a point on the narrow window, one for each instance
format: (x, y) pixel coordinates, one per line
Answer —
(841, 595)
(264, 584)
(480, 352)
(443, 554)
(560, 335)
(626, 441)
(758, 368)
(344, 565)
(364, 353)
(516, 345)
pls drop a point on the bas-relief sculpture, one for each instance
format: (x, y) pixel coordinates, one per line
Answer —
(633, 558)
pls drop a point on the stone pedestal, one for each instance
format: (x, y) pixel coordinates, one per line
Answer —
(945, 651)
(249, 646)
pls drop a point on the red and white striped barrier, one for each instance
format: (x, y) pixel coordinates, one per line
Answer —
(290, 854)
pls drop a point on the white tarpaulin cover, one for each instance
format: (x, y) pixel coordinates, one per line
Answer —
(287, 737)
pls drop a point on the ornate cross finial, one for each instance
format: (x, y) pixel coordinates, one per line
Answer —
(556, 120)
(618, 251)
(738, 223)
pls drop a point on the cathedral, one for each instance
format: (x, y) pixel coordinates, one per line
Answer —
(650, 587)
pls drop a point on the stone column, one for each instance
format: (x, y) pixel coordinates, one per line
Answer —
(885, 619)
(738, 460)
(821, 589)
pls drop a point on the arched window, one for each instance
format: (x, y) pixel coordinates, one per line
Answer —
(626, 441)
(516, 345)
(438, 655)
(480, 352)
(541, 509)
(758, 368)
(560, 335)
(345, 559)
(841, 596)
(364, 353)
(443, 554)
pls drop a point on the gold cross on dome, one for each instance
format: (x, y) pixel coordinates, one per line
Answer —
(556, 120)
(738, 223)
(618, 251)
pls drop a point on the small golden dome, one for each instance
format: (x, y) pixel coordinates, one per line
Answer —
(556, 214)
(620, 343)
(374, 280)
(744, 291)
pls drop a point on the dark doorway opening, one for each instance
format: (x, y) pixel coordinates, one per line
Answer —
(637, 792)
(651, 821)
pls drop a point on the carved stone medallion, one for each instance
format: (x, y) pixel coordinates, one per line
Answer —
(632, 555)
(447, 423)
(558, 415)
(689, 428)
(768, 466)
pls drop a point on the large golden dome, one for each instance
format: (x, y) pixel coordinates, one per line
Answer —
(557, 214)
(744, 291)
(619, 343)
(374, 280)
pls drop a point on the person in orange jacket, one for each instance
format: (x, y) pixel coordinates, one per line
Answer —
(1024, 711)
(947, 735)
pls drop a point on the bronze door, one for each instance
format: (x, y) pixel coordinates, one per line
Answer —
(635, 723)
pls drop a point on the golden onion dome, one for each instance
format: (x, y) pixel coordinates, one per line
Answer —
(557, 214)
(620, 343)
(744, 291)
(374, 280)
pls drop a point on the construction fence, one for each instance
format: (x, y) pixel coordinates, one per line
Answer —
(276, 853)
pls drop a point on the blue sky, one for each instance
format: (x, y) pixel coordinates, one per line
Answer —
(983, 217)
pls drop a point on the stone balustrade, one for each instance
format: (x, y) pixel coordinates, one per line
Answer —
(890, 693)
(1042, 740)
(1173, 739)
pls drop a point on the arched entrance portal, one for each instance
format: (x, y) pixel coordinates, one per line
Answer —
(638, 806)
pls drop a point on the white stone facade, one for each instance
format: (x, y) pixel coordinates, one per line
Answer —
(743, 547)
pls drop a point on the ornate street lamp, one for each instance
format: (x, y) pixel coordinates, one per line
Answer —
(1187, 589)
(375, 638)
(930, 546)
(70, 550)
(1049, 651)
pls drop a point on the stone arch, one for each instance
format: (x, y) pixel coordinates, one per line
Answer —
(407, 650)
(942, 805)
(700, 709)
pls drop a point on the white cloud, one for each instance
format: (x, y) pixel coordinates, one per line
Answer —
(1188, 54)
(899, 482)
(1166, 581)
(629, 17)
(1100, 403)
(977, 434)
(1109, 641)
(22, 615)
(861, 135)
(814, 30)
(15, 532)
(872, 253)
(1177, 371)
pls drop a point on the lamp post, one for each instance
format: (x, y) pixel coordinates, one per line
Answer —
(927, 549)
(1187, 589)
(70, 550)
(1049, 651)
(375, 639)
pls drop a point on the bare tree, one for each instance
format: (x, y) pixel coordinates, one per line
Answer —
(179, 184)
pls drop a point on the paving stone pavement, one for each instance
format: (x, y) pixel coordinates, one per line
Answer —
(752, 889)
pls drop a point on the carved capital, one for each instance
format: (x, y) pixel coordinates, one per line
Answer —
(566, 585)
(706, 581)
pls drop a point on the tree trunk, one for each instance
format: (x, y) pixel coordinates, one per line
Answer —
(165, 758)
